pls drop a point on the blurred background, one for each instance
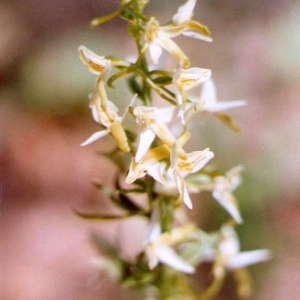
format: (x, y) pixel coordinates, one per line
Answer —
(45, 249)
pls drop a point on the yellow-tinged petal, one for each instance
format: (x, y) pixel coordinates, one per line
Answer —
(163, 132)
(119, 134)
(196, 30)
(155, 52)
(139, 169)
(97, 64)
(187, 79)
(174, 50)
(147, 137)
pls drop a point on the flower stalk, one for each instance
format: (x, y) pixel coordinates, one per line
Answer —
(160, 167)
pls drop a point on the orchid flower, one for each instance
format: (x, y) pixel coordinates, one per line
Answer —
(160, 37)
(181, 165)
(153, 163)
(223, 191)
(187, 79)
(228, 255)
(153, 121)
(98, 65)
(222, 188)
(103, 110)
(184, 164)
(158, 246)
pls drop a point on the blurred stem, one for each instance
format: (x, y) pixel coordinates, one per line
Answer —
(243, 280)
(213, 289)
(143, 64)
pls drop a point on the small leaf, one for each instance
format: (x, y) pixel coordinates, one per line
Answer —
(135, 87)
(105, 19)
(163, 80)
(125, 202)
(100, 217)
(118, 75)
(227, 120)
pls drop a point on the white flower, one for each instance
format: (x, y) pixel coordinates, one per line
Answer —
(153, 121)
(158, 246)
(160, 37)
(222, 188)
(105, 113)
(228, 255)
(98, 65)
(187, 79)
(169, 166)
(184, 164)
(153, 163)
(103, 110)
(208, 100)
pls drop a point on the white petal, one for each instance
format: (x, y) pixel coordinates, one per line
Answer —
(146, 138)
(229, 245)
(227, 200)
(136, 170)
(186, 198)
(183, 191)
(208, 93)
(224, 105)
(179, 98)
(155, 230)
(192, 77)
(94, 137)
(197, 35)
(184, 12)
(233, 175)
(155, 52)
(170, 46)
(247, 258)
(169, 257)
(165, 114)
(156, 171)
(95, 113)
(96, 64)
(200, 159)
